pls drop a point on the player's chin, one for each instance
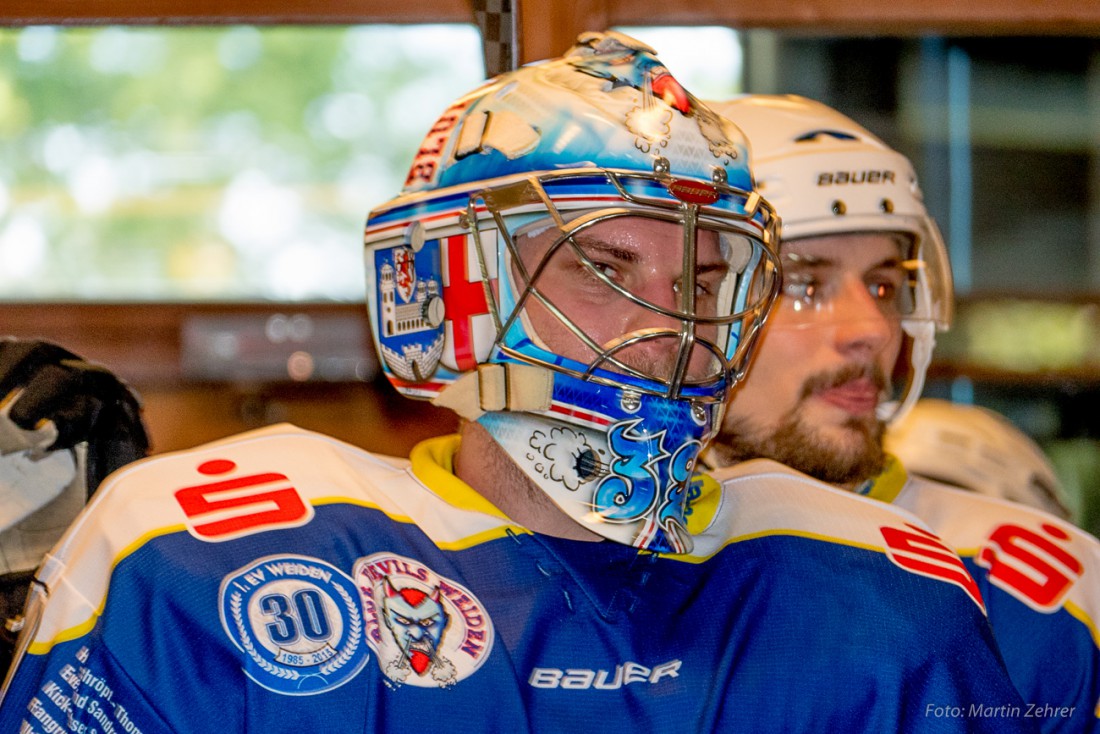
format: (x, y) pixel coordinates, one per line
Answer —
(832, 452)
(842, 432)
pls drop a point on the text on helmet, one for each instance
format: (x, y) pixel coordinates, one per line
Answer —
(830, 178)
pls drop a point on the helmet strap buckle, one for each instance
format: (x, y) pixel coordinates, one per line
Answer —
(498, 387)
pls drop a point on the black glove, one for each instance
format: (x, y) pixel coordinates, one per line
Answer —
(42, 384)
(85, 402)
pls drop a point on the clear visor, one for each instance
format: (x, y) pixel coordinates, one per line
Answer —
(862, 277)
(659, 298)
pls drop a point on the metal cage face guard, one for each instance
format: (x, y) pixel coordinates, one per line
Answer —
(720, 280)
(574, 172)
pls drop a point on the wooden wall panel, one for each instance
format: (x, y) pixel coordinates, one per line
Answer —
(371, 416)
(547, 27)
(143, 344)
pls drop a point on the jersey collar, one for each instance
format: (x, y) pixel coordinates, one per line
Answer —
(888, 484)
(433, 463)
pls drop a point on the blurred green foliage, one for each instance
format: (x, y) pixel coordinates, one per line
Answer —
(193, 162)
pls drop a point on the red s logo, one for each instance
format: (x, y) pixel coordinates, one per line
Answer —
(239, 506)
(1030, 565)
(919, 551)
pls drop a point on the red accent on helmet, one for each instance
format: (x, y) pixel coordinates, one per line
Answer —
(693, 192)
(671, 92)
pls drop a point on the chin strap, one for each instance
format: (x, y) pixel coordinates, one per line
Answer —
(923, 334)
(499, 387)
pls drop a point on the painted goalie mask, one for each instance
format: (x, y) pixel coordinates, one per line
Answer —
(580, 263)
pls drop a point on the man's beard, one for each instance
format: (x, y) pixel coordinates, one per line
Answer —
(799, 445)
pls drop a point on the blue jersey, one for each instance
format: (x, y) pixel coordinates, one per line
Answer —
(283, 581)
(1040, 579)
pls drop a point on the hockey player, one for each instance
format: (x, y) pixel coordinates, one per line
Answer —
(65, 424)
(578, 265)
(865, 287)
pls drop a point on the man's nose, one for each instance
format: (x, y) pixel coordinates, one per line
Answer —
(665, 295)
(863, 328)
(660, 355)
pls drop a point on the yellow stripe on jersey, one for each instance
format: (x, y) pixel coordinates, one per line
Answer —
(777, 532)
(888, 485)
(705, 507)
(41, 647)
(1084, 619)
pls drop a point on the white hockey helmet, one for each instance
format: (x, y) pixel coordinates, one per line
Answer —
(976, 449)
(825, 174)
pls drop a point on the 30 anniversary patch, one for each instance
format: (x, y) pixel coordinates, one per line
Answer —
(297, 622)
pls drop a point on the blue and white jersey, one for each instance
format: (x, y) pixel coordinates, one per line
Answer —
(282, 581)
(1040, 579)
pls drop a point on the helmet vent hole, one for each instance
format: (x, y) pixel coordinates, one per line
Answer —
(839, 208)
(587, 465)
(886, 206)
